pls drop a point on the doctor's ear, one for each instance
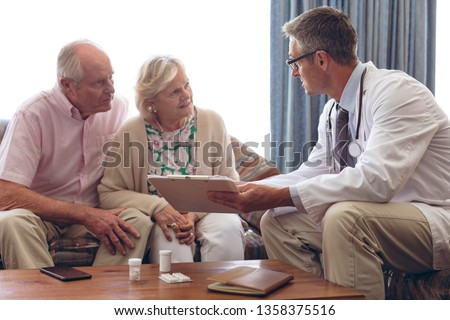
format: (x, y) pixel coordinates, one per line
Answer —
(322, 57)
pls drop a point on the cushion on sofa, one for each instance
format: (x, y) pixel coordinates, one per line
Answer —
(252, 167)
(254, 246)
(425, 286)
(249, 164)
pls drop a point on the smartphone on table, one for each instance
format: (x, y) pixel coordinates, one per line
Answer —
(66, 273)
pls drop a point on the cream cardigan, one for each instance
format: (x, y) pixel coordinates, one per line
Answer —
(124, 183)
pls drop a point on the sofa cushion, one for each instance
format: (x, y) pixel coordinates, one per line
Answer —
(254, 246)
(249, 164)
(251, 167)
(430, 285)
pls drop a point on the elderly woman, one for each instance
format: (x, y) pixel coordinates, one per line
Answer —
(171, 136)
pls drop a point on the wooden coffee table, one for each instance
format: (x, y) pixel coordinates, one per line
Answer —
(111, 282)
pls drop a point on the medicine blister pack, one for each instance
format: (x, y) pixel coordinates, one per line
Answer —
(176, 277)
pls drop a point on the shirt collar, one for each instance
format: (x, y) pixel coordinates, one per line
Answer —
(348, 98)
(65, 104)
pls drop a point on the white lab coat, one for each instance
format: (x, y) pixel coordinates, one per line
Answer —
(405, 138)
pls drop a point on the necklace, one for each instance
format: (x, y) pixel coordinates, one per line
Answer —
(160, 127)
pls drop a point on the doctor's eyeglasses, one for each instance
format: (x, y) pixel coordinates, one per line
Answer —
(292, 62)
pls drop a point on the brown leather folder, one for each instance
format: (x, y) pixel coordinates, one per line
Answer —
(249, 281)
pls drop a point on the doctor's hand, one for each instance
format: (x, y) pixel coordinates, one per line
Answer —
(251, 197)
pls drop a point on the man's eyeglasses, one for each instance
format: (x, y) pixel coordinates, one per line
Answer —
(292, 62)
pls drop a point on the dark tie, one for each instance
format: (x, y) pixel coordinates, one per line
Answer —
(343, 138)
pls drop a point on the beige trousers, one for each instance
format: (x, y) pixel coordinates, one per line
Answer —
(24, 239)
(357, 241)
(220, 235)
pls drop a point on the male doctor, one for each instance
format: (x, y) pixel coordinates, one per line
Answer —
(381, 197)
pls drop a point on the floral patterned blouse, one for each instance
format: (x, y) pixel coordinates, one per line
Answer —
(171, 152)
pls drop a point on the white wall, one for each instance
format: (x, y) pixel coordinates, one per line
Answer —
(224, 45)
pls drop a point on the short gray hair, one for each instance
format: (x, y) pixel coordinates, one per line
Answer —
(325, 28)
(154, 76)
(68, 63)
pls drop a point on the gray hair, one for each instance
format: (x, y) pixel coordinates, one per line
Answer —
(68, 63)
(154, 76)
(325, 28)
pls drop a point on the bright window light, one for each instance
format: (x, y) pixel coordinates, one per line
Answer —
(224, 45)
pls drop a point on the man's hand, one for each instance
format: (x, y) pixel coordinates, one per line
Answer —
(105, 224)
(251, 197)
(110, 229)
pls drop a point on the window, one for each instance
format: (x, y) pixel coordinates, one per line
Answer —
(215, 39)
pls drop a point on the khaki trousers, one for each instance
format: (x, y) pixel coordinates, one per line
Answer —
(357, 240)
(24, 239)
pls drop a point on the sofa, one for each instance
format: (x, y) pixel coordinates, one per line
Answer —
(252, 167)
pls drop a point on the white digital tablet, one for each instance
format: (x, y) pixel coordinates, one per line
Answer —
(189, 193)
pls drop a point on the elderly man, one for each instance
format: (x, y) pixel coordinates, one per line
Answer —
(51, 163)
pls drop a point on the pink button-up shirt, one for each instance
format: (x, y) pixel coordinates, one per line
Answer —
(49, 148)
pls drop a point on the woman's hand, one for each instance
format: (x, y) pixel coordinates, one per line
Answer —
(167, 218)
(186, 234)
